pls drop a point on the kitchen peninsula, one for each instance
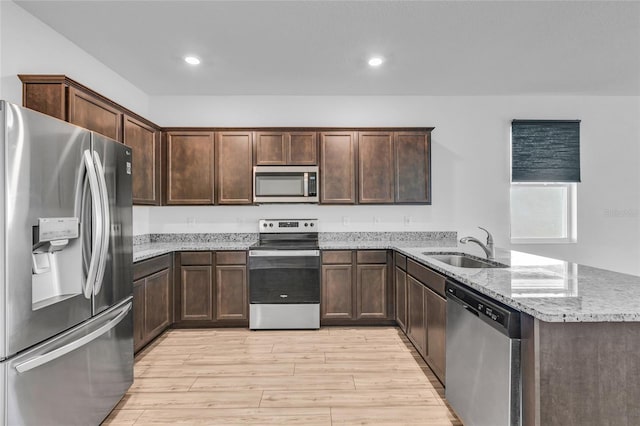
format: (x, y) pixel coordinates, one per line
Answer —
(580, 326)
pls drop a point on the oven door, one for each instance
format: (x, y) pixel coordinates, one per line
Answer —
(284, 276)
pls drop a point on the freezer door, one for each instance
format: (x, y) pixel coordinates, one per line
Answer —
(115, 273)
(76, 378)
(43, 181)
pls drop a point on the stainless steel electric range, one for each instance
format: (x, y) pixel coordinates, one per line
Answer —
(284, 275)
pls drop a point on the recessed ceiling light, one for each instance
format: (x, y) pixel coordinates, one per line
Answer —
(192, 60)
(375, 61)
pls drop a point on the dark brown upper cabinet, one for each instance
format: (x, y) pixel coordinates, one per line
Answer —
(88, 111)
(338, 155)
(375, 168)
(190, 167)
(286, 148)
(234, 151)
(413, 167)
(66, 99)
(144, 141)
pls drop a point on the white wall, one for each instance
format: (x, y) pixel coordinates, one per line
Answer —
(28, 46)
(469, 153)
(470, 161)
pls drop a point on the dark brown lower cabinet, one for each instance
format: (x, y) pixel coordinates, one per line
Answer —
(231, 297)
(213, 289)
(337, 292)
(371, 291)
(426, 313)
(356, 288)
(196, 292)
(152, 299)
(416, 327)
(401, 298)
(436, 322)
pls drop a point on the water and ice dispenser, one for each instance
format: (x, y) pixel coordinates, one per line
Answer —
(55, 243)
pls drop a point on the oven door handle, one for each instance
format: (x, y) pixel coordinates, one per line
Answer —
(284, 253)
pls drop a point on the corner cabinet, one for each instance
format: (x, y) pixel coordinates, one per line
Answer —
(212, 289)
(152, 299)
(68, 100)
(356, 288)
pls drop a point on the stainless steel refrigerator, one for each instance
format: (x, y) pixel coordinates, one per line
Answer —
(66, 326)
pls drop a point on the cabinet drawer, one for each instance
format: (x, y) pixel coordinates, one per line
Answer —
(195, 258)
(150, 266)
(371, 256)
(337, 256)
(231, 258)
(431, 279)
(401, 261)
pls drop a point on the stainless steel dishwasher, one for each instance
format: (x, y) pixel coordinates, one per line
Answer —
(483, 358)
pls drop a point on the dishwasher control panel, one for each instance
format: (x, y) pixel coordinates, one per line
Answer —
(500, 316)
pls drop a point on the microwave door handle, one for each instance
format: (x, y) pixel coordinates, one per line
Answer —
(306, 184)
(106, 222)
(96, 207)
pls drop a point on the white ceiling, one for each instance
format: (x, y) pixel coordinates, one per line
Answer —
(321, 47)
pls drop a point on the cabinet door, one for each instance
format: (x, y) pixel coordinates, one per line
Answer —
(436, 323)
(413, 167)
(416, 328)
(338, 167)
(196, 293)
(144, 141)
(45, 94)
(271, 149)
(302, 149)
(337, 291)
(231, 292)
(234, 152)
(371, 294)
(401, 298)
(375, 167)
(86, 110)
(190, 167)
(138, 315)
(157, 303)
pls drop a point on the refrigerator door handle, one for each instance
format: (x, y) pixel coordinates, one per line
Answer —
(102, 183)
(98, 217)
(62, 351)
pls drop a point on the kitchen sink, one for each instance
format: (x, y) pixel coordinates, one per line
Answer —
(463, 260)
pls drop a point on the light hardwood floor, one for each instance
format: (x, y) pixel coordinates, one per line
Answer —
(332, 376)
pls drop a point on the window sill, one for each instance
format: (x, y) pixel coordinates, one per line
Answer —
(544, 241)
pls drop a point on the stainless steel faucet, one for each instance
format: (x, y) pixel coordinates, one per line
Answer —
(488, 248)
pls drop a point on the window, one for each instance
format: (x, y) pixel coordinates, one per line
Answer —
(543, 213)
(545, 169)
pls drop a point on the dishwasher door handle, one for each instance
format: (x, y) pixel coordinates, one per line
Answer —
(470, 309)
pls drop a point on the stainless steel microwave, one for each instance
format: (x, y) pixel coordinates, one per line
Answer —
(285, 184)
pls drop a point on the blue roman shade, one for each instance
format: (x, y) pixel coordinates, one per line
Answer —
(545, 151)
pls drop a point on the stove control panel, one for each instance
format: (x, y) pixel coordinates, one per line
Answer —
(288, 225)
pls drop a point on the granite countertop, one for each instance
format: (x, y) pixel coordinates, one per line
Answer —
(548, 289)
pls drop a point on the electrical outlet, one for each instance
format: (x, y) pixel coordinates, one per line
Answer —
(407, 220)
(376, 220)
(191, 222)
(346, 220)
